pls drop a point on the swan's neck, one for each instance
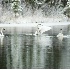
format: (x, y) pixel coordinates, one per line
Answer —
(61, 31)
(1, 31)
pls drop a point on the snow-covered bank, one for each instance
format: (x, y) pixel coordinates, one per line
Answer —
(34, 24)
(49, 12)
(33, 19)
(31, 28)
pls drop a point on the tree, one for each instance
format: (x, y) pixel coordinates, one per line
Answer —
(64, 2)
(16, 6)
(67, 9)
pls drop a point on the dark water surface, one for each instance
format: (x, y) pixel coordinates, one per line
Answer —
(34, 52)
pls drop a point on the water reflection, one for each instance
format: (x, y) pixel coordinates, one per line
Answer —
(57, 48)
(27, 51)
(1, 40)
(34, 52)
(40, 50)
(65, 54)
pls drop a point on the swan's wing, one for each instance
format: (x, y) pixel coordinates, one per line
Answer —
(60, 35)
(44, 28)
(42, 31)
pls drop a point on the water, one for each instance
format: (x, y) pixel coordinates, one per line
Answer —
(21, 51)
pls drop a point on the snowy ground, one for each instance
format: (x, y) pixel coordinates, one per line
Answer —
(45, 14)
(34, 24)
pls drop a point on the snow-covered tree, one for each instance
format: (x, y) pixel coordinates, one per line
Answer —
(68, 3)
(16, 7)
(67, 9)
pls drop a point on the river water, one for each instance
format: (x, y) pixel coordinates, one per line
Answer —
(19, 51)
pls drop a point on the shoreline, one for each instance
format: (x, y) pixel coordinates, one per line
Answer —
(34, 24)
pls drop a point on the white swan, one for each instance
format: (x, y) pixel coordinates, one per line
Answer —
(60, 35)
(41, 29)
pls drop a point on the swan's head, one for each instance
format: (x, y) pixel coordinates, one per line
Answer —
(61, 29)
(2, 29)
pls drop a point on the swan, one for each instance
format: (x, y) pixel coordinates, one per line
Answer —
(60, 35)
(41, 29)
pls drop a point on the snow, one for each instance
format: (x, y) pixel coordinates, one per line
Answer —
(45, 14)
(33, 24)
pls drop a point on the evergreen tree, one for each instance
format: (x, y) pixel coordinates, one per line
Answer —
(16, 6)
(67, 9)
(64, 2)
(68, 3)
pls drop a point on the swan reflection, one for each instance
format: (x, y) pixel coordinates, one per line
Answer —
(28, 51)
